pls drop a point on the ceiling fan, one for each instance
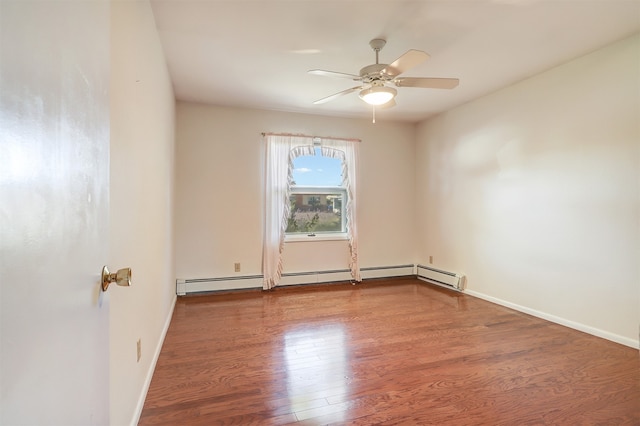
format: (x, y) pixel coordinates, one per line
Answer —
(377, 78)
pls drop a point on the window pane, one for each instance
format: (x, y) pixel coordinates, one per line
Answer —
(317, 170)
(312, 213)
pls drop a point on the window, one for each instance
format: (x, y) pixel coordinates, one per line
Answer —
(317, 199)
(280, 152)
(316, 210)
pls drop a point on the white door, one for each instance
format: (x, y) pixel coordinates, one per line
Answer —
(54, 195)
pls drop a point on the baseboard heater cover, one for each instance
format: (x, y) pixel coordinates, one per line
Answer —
(202, 285)
(440, 277)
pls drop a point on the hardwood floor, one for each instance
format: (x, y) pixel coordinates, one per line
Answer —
(383, 352)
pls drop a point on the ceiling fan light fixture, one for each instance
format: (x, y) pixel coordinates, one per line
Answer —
(378, 95)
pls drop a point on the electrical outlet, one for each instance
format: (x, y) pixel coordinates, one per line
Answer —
(236, 267)
(431, 260)
(139, 349)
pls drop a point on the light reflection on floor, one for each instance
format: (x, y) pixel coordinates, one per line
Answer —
(317, 367)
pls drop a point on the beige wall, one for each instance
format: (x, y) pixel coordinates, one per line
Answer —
(142, 167)
(533, 192)
(219, 186)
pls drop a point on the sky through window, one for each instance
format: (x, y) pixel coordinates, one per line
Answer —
(317, 170)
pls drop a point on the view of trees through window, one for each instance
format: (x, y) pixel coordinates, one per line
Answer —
(317, 197)
(312, 213)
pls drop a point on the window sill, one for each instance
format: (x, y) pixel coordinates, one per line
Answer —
(304, 238)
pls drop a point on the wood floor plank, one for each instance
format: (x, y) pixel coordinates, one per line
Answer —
(382, 352)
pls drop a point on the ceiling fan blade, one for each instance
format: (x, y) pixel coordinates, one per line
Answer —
(410, 59)
(337, 95)
(427, 83)
(325, 73)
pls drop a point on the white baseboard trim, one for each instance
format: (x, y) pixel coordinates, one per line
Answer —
(152, 367)
(559, 320)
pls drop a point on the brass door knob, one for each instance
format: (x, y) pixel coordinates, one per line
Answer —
(122, 277)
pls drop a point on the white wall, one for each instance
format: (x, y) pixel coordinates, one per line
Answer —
(142, 182)
(219, 186)
(534, 193)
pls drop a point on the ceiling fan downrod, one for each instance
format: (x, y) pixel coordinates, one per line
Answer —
(377, 44)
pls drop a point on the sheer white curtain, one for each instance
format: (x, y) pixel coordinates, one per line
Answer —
(348, 152)
(281, 150)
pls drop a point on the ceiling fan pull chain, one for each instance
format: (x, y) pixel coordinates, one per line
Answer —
(374, 114)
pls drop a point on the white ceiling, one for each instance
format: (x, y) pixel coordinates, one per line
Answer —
(256, 54)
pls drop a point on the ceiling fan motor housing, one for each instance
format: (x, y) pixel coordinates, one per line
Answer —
(373, 72)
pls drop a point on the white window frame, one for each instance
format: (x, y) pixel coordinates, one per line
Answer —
(321, 235)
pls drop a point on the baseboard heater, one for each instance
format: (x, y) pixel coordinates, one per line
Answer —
(202, 285)
(440, 277)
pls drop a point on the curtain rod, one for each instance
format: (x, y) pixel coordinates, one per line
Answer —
(309, 136)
